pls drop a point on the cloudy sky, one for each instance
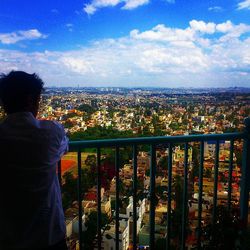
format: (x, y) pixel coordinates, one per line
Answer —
(158, 43)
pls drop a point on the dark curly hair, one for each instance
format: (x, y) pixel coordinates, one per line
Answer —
(18, 89)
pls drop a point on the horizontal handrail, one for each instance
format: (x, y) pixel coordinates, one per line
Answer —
(76, 145)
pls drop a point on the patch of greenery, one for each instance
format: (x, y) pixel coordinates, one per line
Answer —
(99, 132)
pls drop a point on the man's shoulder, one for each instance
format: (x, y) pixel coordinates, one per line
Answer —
(54, 127)
(57, 134)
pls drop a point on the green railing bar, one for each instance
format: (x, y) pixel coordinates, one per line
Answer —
(79, 189)
(230, 173)
(216, 170)
(152, 196)
(184, 205)
(244, 185)
(117, 198)
(75, 145)
(169, 195)
(200, 193)
(134, 197)
(99, 219)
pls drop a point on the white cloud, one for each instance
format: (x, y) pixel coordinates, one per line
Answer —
(203, 27)
(132, 4)
(14, 37)
(69, 26)
(55, 11)
(91, 8)
(232, 31)
(105, 3)
(77, 65)
(244, 5)
(170, 1)
(192, 56)
(163, 33)
(224, 27)
(215, 9)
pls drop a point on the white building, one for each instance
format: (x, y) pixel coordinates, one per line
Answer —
(126, 223)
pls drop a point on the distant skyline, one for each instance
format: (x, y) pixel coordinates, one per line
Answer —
(128, 43)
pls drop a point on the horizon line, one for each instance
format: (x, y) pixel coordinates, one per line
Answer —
(147, 87)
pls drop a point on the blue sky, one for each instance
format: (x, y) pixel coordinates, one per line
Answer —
(163, 43)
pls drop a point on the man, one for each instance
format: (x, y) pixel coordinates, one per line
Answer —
(31, 214)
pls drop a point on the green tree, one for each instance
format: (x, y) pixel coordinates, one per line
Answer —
(185, 120)
(178, 191)
(227, 231)
(238, 155)
(91, 162)
(163, 162)
(98, 132)
(68, 124)
(174, 126)
(91, 224)
(178, 212)
(236, 122)
(208, 173)
(146, 131)
(147, 172)
(86, 108)
(69, 188)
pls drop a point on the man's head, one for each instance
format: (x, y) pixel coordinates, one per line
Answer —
(20, 92)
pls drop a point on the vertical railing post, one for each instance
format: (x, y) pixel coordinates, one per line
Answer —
(152, 196)
(170, 162)
(216, 171)
(184, 203)
(79, 194)
(230, 173)
(99, 211)
(117, 197)
(134, 197)
(245, 177)
(200, 194)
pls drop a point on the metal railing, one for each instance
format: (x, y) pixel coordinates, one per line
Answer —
(78, 146)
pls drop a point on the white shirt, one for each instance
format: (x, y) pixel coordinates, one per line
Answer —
(31, 213)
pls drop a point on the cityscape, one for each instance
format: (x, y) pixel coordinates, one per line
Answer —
(108, 113)
(154, 97)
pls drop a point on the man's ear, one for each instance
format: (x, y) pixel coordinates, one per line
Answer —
(33, 104)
